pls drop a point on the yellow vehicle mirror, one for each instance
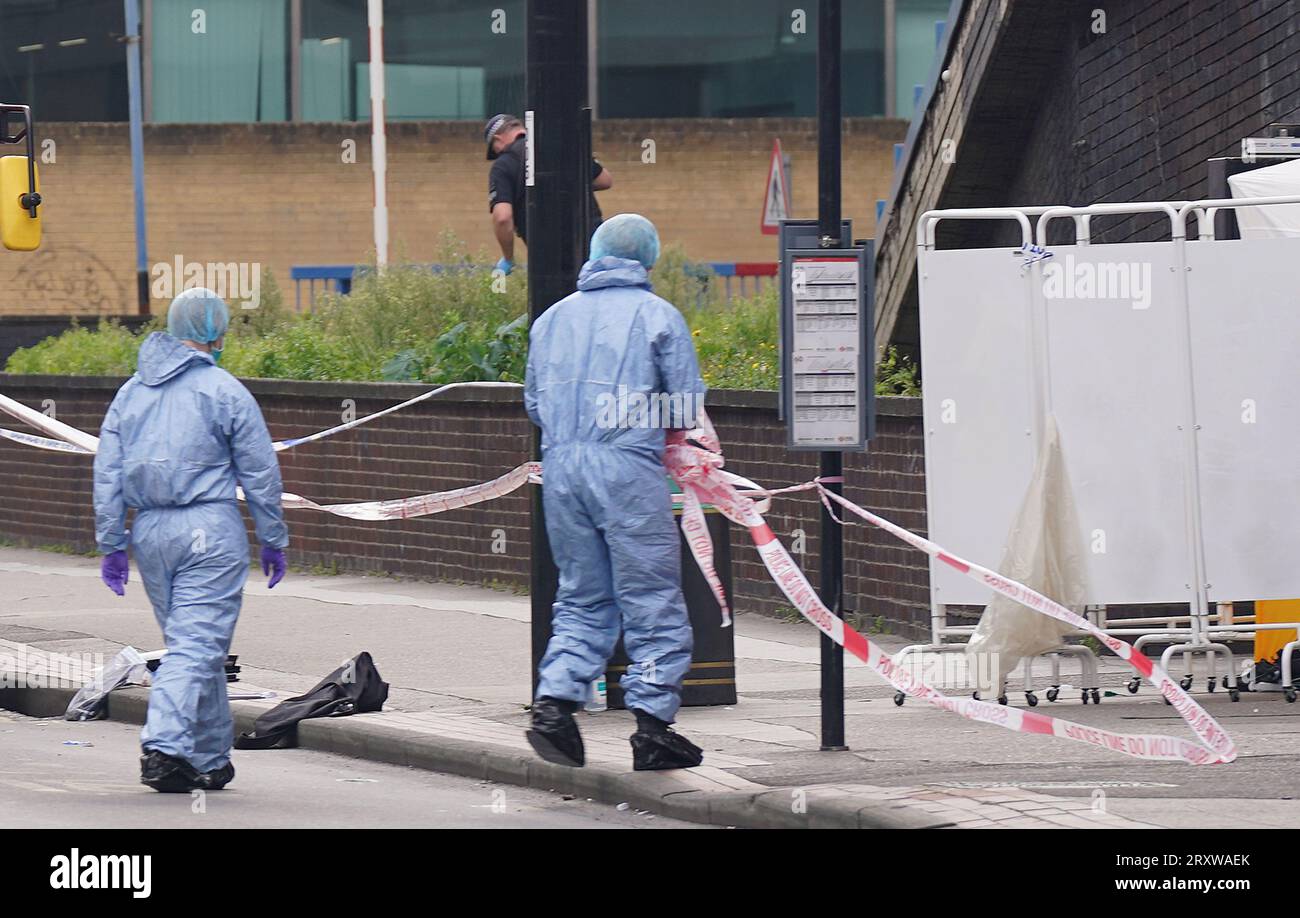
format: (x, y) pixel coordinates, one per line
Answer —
(19, 230)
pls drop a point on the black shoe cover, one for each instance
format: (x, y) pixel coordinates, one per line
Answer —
(218, 777)
(661, 751)
(168, 774)
(554, 734)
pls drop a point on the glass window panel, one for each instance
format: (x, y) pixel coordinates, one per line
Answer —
(914, 26)
(335, 40)
(326, 79)
(62, 58)
(730, 59)
(443, 58)
(231, 65)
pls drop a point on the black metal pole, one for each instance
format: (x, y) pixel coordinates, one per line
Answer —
(556, 85)
(828, 224)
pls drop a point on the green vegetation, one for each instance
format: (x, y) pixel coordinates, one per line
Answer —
(411, 324)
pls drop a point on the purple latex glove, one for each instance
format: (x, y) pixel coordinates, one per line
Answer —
(114, 571)
(273, 565)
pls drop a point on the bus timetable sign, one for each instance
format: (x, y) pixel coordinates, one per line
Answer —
(828, 353)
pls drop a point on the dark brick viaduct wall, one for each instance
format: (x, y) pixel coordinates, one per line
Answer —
(1135, 113)
(452, 442)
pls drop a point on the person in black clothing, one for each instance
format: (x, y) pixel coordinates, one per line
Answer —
(507, 201)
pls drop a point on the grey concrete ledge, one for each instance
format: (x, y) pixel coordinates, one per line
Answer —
(367, 737)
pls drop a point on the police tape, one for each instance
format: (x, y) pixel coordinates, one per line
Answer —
(404, 508)
(696, 469)
(281, 445)
(47, 425)
(695, 462)
(1221, 747)
(44, 442)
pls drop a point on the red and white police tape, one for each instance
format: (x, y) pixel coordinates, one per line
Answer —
(696, 468)
(695, 462)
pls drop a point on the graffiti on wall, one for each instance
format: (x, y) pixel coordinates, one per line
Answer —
(65, 281)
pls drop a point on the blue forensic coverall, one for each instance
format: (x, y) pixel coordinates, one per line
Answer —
(177, 438)
(595, 360)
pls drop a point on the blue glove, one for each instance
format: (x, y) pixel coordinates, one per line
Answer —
(114, 571)
(273, 565)
(505, 266)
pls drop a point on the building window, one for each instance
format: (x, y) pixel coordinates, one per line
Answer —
(220, 62)
(61, 57)
(335, 44)
(442, 59)
(731, 58)
(916, 26)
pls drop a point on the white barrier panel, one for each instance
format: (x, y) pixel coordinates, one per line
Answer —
(1114, 372)
(1116, 376)
(1117, 382)
(1245, 306)
(978, 445)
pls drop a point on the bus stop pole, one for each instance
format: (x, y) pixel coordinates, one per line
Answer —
(131, 14)
(558, 182)
(832, 465)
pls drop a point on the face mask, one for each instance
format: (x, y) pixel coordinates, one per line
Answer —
(216, 354)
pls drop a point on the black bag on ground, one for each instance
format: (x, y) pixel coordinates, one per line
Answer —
(353, 688)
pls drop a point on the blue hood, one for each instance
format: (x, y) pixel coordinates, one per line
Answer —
(612, 271)
(163, 357)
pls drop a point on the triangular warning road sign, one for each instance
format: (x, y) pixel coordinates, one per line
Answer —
(776, 200)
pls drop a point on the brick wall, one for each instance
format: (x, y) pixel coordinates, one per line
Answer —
(1170, 85)
(448, 443)
(281, 195)
(1043, 110)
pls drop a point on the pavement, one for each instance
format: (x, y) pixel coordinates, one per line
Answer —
(457, 659)
(46, 784)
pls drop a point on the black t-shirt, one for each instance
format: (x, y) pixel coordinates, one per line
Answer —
(506, 185)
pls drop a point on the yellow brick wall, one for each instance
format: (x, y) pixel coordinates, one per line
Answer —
(281, 195)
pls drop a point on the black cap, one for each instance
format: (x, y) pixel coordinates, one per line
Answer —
(495, 123)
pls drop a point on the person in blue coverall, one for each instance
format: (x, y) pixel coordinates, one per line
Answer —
(611, 368)
(179, 436)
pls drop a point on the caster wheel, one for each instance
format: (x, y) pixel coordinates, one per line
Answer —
(1032, 699)
(975, 695)
(898, 698)
(1186, 683)
(1085, 696)
(1209, 686)
(1289, 694)
(1134, 685)
(1002, 699)
(1053, 694)
(1234, 694)
(1096, 697)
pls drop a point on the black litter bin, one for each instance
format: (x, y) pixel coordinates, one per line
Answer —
(712, 677)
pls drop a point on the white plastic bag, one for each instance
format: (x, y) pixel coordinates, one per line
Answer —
(1044, 550)
(128, 666)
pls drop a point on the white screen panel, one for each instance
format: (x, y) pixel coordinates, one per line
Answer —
(1115, 374)
(1117, 378)
(1245, 298)
(978, 455)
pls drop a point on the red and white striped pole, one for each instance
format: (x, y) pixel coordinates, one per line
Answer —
(378, 140)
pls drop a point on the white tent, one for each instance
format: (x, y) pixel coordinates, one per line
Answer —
(1280, 220)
